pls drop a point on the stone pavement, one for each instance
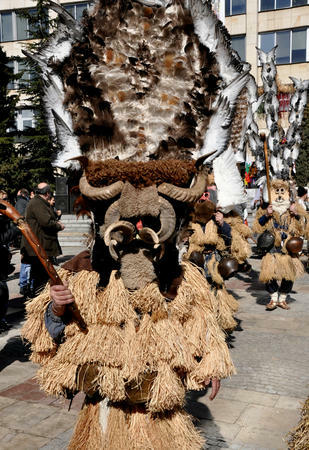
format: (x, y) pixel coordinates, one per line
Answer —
(254, 409)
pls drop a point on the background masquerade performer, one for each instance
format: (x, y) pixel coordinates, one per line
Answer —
(144, 94)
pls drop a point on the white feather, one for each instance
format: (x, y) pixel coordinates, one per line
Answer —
(68, 141)
(230, 188)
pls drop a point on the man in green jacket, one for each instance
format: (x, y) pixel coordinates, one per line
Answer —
(43, 222)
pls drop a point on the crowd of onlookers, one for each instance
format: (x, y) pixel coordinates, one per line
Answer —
(38, 208)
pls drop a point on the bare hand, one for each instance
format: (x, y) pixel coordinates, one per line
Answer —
(61, 296)
(269, 210)
(219, 218)
(215, 387)
(61, 224)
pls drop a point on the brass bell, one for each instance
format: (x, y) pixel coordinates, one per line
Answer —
(227, 267)
(294, 245)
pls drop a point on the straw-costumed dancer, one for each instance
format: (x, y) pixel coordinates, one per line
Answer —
(285, 221)
(137, 94)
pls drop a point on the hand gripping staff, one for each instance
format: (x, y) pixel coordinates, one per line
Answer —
(8, 210)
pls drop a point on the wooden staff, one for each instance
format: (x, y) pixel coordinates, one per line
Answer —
(8, 210)
(263, 137)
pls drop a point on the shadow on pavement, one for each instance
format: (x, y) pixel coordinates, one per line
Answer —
(14, 350)
(203, 419)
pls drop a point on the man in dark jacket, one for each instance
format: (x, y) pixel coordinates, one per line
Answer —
(8, 232)
(43, 222)
(22, 201)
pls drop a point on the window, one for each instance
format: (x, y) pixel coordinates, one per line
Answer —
(20, 67)
(14, 27)
(267, 5)
(76, 9)
(292, 46)
(25, 119)
(239, 44)
(234, 7)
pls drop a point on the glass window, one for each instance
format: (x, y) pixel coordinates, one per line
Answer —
(283, 4)
(6, 27)
(267, 41)
(266, 5)
(80, 9)
(283, 50)
(234, 7)
(11, 84)
(239, 44)
(21, 27)
(299, 2)
(25, 119)
(70, 9)
(299, 46)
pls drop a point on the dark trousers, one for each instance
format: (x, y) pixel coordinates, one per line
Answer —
(38, 275)
(4, 299)
(285, 286)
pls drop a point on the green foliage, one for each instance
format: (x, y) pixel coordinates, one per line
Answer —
(26, 156)
(8, 154)
(302, 164)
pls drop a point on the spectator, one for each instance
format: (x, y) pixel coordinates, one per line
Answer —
(24, 275)
(43, 222)
(52, 203)
(8, 232)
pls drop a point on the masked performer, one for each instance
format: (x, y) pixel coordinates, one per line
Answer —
(219, 240)
(281, 224)
(129, 92)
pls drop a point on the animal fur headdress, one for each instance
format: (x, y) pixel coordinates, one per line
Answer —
(143, 94)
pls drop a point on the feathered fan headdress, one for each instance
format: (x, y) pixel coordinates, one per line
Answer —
(141, 81)
(283, 147)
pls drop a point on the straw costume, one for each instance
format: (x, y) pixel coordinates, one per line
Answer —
(280, 268)
(136, 95)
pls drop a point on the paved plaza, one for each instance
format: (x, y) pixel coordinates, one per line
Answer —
(254, 409)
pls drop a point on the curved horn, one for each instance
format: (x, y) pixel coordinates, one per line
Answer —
(127, 228)
(101, 193)
(168, 220)
(112, 214)
(191, 194)
(149, 236)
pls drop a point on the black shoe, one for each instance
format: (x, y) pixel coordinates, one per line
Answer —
(4, 326)
(24, 291)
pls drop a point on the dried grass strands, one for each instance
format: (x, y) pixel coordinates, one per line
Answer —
(110, 383)
(113, 303)
(167, 391)
(34, 331)
(42, 357)
(225, 317)
(298, 267)
(88, 432)
(197, 240)
(135, 429)
(240, 248)
(285, 268)
(212, 267)
(196, 285)
(211, 233)
(243, 230)
(299, 437)
(149, 300)
(180, 308)
(230, 300)
(84, 289)
(55, 376)
(268, 268)
(103, 343)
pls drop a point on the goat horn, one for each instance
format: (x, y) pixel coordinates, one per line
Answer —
(191, 194)
(126, 228)
(168, 220)
(99, 193)
(112, 214)
(149, 236)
